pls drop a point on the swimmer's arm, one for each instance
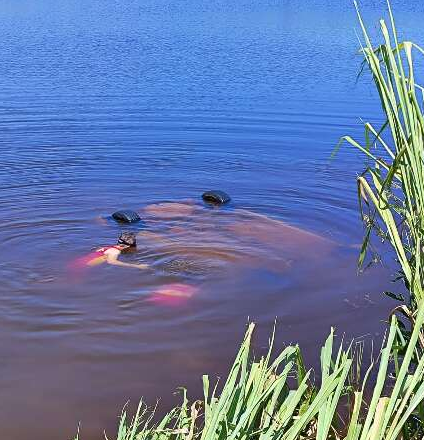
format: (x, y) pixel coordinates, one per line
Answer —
(121, 263)
(112, 258)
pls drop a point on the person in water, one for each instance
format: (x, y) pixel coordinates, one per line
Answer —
(194, 241)
(172, 294)
(110, 254)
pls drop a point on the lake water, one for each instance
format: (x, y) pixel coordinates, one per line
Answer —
(111, 104)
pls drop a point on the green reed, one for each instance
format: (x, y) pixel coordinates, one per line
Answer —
(391, 189)
(274, 398)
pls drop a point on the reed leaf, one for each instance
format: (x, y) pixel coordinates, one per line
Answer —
(392, 69)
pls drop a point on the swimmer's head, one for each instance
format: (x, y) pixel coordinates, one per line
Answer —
(127, 239)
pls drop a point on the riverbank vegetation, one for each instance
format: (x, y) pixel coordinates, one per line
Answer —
(275, 397)
(391, 188)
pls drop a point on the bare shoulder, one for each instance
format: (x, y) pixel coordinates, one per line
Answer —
(112, 252)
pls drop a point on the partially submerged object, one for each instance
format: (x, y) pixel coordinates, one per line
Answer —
(170, 210)
(216, 197)
(173, 294)
(126, 216)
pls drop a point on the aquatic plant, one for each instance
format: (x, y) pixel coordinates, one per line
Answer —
(274, 398)
(391, 188)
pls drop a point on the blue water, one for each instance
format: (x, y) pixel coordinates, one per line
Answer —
(112, 104)
(123, 99)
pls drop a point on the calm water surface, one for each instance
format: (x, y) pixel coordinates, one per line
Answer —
(122, 104)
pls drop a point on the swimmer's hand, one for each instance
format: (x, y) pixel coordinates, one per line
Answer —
(142, 266)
